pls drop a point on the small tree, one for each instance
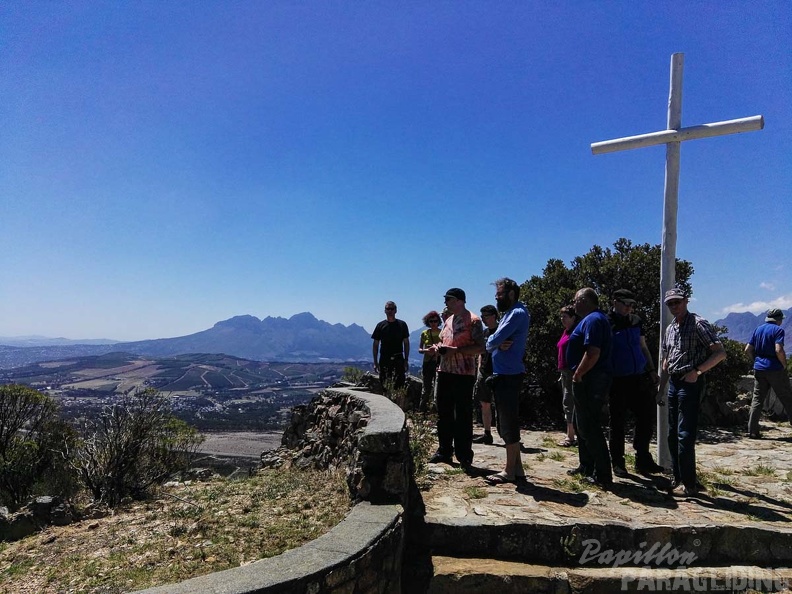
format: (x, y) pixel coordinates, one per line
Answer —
(33, 442)
(628, 266)
(133, 445)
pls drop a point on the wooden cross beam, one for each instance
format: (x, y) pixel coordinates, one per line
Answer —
(672, 137)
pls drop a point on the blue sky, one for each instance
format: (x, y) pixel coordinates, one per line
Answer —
(166, 165)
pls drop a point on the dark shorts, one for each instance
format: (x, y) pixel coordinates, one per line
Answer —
(507, 403)
(482, 391)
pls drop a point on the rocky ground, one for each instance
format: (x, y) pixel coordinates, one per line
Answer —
(748, 482)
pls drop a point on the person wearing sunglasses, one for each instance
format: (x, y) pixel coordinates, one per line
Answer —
(690, 348)
(461, 342)
(507, 348)
(429, 337)
(391, 349)
(634, 386)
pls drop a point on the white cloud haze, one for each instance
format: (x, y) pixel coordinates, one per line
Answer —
(783, 302)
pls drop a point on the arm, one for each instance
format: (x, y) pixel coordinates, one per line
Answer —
(779, 348)
(406, 343)
(421, 344)
(505, 330)
(717, 354)
(374, 351)
(589, 360)
(749, 350)
(650, 368)
(477, 333)
(661, 386)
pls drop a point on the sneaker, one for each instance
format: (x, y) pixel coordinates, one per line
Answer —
(620, 471)
(679, 488)
(487, 440)
(755, 435)
(440, 458)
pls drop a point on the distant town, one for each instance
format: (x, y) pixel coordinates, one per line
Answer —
(211, 392)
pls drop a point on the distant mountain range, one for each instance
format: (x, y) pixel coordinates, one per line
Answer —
(741, 325)
(39, 341)
(301, 338)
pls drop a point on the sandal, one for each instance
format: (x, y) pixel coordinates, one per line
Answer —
(567, 443)
(499, 479)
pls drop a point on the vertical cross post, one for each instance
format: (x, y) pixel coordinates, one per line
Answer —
(668, 244)
(672, 138)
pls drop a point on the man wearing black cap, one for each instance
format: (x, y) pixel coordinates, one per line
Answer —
(766, 348)
(634, 383)
(690, 349)
(461, 341)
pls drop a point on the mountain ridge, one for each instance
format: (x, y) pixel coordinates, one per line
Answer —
(740, 326)
(300, 338)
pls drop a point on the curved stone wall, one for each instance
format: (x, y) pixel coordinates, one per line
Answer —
(363, 554)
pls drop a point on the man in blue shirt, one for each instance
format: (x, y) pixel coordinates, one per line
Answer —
(589, 356)
(766, 348)
(507, 346)
(633, 387)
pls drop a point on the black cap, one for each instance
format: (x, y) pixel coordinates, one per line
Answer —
(456, 293)
(625, 296)
(773, 315)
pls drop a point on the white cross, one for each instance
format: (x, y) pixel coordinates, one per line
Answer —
(672, 138)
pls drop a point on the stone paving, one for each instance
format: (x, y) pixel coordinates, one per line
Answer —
(749, 483)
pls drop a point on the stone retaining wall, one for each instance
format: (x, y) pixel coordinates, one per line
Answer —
(366, 434)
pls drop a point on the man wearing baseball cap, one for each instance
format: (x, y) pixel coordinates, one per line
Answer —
(634, 385)
(690, 349)
(766, 348)
(461, 341)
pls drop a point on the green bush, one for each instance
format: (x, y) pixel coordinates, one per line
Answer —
(34, 446)
(353, 375)
(628, 266)
(132, 446)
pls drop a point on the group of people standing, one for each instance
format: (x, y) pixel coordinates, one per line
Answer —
(604, 363)
(454, 356)
(608, 362)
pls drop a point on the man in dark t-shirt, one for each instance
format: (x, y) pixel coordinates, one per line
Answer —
(391, 349)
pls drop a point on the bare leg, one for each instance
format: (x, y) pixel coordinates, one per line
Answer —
(514, 467)
(486, 416)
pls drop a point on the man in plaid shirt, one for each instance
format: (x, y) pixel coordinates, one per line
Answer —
(690, 349)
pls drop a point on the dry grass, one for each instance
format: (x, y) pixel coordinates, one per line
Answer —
(187, 531)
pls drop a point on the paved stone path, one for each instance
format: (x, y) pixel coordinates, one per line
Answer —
(749, 484)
